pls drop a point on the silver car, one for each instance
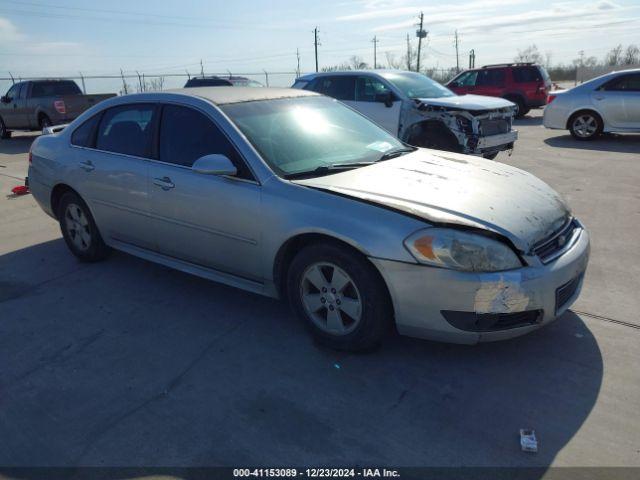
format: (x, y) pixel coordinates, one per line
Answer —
(610, 103)
(291, 194)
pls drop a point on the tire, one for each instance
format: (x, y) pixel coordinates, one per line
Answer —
(521, 107)
(44, 121)
(490, 156)
(585, 125)
(434, 135)
(4, 133)
(356, 314)
(79, 229)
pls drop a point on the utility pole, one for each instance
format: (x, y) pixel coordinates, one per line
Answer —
(201, 68)
(472, 58)
(315, 44)
(298, 68)
(420, 34)
(408, 53)
(375, 52)
(456, 43)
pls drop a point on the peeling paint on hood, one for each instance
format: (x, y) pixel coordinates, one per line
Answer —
(446, 187)
(469, 102)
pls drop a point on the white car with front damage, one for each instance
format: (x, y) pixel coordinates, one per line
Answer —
(420, 111)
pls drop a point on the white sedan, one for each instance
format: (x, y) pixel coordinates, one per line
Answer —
(610, 103)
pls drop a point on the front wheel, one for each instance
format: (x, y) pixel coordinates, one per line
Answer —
(4, 133)
(340, 297)
(585, 126)
(490, 156)
(79, 229)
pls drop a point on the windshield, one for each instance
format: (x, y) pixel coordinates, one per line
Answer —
(303, 134)
(416, 85)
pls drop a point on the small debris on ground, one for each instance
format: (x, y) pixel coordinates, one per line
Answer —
(20, 190)
(528, 441)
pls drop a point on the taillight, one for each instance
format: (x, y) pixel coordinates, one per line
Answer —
(60, 106)
(550, 98)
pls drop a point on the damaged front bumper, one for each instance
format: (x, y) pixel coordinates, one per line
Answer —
(462, 307)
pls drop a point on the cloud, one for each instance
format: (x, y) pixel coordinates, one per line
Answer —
(9, 32)
(403, 11)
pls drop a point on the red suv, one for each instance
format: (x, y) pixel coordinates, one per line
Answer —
(525, 84)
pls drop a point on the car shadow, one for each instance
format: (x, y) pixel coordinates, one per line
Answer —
(16, 145)
(129, 363)
(610, 142)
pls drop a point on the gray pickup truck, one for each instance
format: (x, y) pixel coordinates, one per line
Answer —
(37, 104)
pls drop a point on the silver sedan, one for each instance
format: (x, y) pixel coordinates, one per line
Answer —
(610, 103)
(291, 194)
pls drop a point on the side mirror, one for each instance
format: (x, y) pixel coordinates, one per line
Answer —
(5, 99)
(214, 164)
(386, 98)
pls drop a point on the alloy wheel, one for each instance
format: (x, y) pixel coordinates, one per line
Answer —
(331, 298)
(77, 227)
(585, 126)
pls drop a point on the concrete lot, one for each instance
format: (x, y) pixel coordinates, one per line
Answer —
(130, 363)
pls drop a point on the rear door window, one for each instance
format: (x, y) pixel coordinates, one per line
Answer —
(626, 83)
(187, 134)
(127, 129)
(526, 74)
(340, 87)
(490, 77)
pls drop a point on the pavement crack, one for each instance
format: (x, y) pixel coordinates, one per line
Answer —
(607, 319)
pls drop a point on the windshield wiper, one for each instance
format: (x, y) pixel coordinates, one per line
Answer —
(396, 153)
(326, 169)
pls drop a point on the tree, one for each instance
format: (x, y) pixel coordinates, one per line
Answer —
(529, 54)
(632, 55)
(614, 56)
(357, 63)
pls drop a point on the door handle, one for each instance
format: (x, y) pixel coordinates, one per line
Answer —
(599, 98)
(165, 183)
(87, 166)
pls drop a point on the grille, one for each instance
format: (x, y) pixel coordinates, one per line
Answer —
(549, 248)
(566, 291)
(490, 322)
(494, 126)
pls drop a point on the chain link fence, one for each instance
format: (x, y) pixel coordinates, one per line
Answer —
(142, 82)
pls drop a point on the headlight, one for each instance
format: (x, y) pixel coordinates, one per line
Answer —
(458, 250)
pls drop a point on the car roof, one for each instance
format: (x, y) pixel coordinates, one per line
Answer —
(227, 95)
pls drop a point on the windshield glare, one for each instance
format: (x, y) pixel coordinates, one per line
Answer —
(301, 134)
(416, 85)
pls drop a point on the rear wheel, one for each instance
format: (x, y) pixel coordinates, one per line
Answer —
(585, 125)
(79, 229)
(4, 133)
(340, 297)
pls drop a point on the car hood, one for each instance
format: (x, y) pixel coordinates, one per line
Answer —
(468, 102)
(449, 188)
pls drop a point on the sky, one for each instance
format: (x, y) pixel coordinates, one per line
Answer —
(54, 38)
